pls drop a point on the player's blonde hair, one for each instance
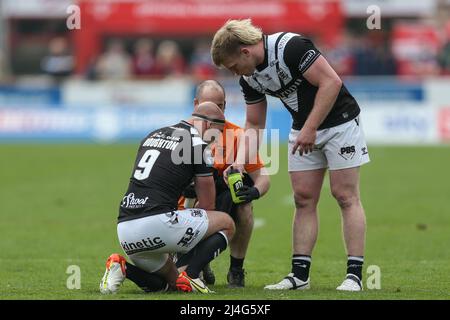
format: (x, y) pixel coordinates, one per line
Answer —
(232, 35)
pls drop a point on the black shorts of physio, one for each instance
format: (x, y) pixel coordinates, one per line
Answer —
(224, 201)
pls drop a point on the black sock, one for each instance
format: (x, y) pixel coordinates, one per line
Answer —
(236, 263)
(205, 252)
(354, 266)
(148, 282)
(185, 259)
(300, 266)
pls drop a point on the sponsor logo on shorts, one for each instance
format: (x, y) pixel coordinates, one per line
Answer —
(188, 237)
(364, 151)
(129, 201)
(173, 217)
(146, 244)
(196, 212)
(347, 152)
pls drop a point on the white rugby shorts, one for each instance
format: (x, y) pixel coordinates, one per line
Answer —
(148, 241)
(339, 147)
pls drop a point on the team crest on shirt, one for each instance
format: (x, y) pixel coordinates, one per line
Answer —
(259, 87)
(283, 75)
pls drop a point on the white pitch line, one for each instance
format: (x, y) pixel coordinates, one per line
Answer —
(288, 200)
(258, 223)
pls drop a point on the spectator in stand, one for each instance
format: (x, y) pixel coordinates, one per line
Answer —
(364, 56)
(144, 59)
(444, 58)
(91, 70)
(202, 67)
(2, 66)
(114, 63)
(385, 60)
(373, 55)
(59, 62)
(169, 60)
(340, 56)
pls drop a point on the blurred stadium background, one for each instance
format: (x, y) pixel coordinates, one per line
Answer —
(70, 99)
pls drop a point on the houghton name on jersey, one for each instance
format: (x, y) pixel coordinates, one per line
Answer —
(166, 162)
(287, 56)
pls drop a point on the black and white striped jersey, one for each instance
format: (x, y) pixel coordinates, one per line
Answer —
(287, 56)
(166, 162)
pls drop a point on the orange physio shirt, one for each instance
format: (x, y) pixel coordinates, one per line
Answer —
(225, 154)
(225, 151)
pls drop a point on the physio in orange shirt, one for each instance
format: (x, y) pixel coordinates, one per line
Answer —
(256, 183)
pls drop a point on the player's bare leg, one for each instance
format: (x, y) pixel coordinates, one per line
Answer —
(345, 188)
(220, 230)
(239, 245)
(306, 186)
(169, 272)
(244, 229)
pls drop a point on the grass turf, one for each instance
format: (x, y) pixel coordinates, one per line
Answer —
(59, 206)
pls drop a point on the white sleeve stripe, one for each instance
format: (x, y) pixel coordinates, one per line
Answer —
(255, 101)
(204, 174)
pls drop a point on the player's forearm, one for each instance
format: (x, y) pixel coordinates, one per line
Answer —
(325, 98)
(206, 192)
(261, 181)
(250, 141)
(207, 204)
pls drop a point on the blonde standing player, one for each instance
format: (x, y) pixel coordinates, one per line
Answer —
(326, 134)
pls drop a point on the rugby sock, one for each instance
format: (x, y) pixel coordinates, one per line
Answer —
(184, 259)
(146, 281)
(236, 263)
(300, 266)
(354, 266)
(205, 252)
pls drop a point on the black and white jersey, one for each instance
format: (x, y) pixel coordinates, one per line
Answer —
(166, 162)
(287, 56)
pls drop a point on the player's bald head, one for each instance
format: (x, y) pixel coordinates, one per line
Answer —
(209, 110)
(208, 85)
(210, 90)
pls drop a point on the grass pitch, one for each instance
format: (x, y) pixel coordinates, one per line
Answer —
(59, 206)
